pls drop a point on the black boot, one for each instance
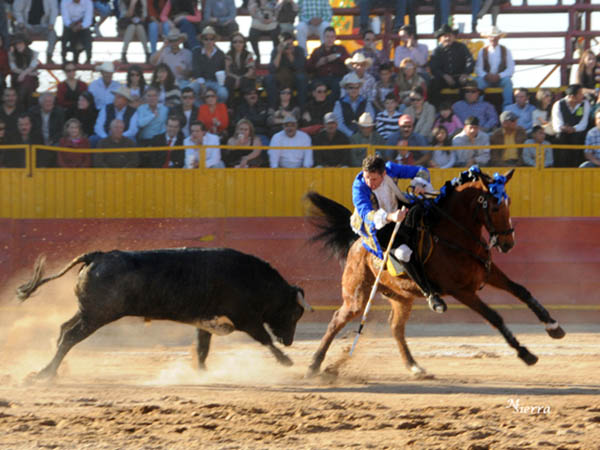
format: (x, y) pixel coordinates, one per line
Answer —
(415, 271)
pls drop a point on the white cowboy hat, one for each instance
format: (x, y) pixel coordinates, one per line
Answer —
(350, 78)
(358, 58)
(122, 91)
(106, 66)
(175, 35)
(494, 31)
(365, 120)
(208, 31)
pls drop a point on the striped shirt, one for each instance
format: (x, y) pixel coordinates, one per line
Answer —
(386, 124)
(593, 138)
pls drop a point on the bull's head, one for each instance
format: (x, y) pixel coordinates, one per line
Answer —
(283, 324)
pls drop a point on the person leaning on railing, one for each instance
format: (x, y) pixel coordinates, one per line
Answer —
(538, 137)
(330, 135)
(471, 135)
(593, 138)
(73, 137)
(115, 139)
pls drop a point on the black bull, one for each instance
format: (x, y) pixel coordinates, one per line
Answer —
(215, 290)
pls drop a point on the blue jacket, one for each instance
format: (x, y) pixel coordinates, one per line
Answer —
(365, 203)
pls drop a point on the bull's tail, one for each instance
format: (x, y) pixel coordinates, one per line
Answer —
(333, 222)
(25, 290)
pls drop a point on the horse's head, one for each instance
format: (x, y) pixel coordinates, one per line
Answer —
(494, 206)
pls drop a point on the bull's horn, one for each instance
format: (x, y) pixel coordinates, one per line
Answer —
(302, 302)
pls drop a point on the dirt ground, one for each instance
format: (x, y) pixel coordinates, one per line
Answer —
(134, 386)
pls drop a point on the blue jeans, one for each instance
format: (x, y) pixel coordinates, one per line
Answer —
(506, 85)
(222, 93)
(475, 7)
(441, 13)
(153, 32)
(400, 10)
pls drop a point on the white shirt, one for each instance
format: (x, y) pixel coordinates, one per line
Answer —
(72, 12)
(557, 118)
(213, 155)
(290, 158)
(102, 94)
(494, 59)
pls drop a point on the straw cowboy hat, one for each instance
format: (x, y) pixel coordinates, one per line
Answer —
(106, 66)
(175, 35)
(123, 92)
(493, 32)
(365, 120)
(208, 31)
(358, 58)
(350, 78)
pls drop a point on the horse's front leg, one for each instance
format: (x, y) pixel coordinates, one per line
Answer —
(476, 304)
(498, 279)
(401, 308)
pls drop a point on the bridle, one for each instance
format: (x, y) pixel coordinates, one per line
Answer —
(484, 201)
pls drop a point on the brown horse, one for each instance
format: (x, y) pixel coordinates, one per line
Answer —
(459, 261)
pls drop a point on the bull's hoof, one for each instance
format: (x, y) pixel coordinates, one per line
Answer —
(556, 333)
(42, 376)
(527, 357)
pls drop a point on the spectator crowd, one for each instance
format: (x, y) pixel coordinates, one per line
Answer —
(198, 95)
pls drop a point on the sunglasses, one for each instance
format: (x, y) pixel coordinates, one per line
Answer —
(289, 124)
(321, 91)
(470, 91)
(415, 99)
(209, 38)
(188, 97)
(352, 87)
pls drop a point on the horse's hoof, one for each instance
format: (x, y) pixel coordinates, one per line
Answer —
(436, 304)
(285, 361)
(556, 333)
(419, 373)
(312, 372)
(528, 358)
(39, 377)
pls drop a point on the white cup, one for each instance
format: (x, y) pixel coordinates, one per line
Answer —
(220, 75)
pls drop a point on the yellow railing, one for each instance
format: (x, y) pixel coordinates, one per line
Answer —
(32, 192)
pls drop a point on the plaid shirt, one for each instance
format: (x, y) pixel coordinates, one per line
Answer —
(314, 8)
(593, 138)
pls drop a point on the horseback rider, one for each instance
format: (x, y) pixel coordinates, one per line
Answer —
(379, 201)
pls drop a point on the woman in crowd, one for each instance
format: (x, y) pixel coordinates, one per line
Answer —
(407, 79)
(285, 107)
(422, 112)
(164, 80)
(541, 115)
(73, 137)
(136, 84)
(239, 66)
(132, 21)
(68, 91)
(443, 159)
(86, 113)
(315, 109)
(448, 120)
(264, 23)
(244, 137)
(588, 74)
(23, 63)
(213, 115)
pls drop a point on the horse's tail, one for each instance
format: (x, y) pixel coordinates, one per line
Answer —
(26, 289)
(333, 222)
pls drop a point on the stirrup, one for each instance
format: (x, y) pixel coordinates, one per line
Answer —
(436, 304)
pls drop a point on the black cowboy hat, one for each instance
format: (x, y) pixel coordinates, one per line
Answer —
(445, 29)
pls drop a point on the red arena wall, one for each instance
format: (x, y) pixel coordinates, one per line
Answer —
(557, 259)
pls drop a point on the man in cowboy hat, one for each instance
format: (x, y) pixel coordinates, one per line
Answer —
(77, 18)
(495, 65)
(366, 134)
(326, 63)
(359, 65)
(291, 137)
(102, 88)
(206, 62)
(350, 107)
(119, 109)
(472, 105)
(174, 55)
(369, 50)
(378, 202)
(451, 62)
